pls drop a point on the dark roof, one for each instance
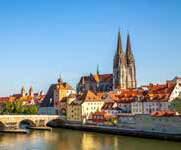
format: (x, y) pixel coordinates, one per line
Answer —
(48, 100)
(97, 78)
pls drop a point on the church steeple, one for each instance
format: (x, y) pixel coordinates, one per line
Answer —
(119, 56)
(119, 67)
(97, 70)
(131, 66)
(119, 44)
(60, 79)
(129, 53)
(23, 91)
(31, 92)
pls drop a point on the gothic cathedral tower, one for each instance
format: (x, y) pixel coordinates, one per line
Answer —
(124, 68)
(119, 66)
(131, 66)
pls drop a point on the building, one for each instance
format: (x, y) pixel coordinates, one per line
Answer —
(102, 118)
(61, 91)
(62, 106)
(156, 98)
(84, 106)
(124, 67)
(96, 83)
(112, 108)
(28, 98)
(123, 76)
(56, 93)
(119, 102)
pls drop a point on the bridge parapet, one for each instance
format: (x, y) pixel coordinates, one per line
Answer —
(14, 121)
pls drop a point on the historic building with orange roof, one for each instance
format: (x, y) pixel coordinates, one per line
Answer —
(28, 98)
(157, 97)
(143, 100)
(123, 76)
(85, 104)
(54, 101)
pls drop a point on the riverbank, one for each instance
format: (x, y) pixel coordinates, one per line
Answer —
(120, 131)
(40, 128)
(19, 131)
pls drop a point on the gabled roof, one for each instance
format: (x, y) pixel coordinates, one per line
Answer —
(97, 78)
(48, 100)
(158, 92)
(89, 96)
(64, 86)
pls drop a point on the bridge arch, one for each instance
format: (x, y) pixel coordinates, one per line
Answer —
(53, 122)
(2, 125)
(26, 123)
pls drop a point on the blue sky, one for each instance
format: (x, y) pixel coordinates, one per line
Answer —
(40, 39)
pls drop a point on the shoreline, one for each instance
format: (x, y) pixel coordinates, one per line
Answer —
(15, 131)
(120, 131)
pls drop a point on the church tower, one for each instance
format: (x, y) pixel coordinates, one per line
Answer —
(131, 67)
(23, 92)
(31, 92)
(119, 66)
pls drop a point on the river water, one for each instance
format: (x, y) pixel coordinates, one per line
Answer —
(62, 139)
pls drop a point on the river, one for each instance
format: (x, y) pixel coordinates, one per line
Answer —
(62, 139)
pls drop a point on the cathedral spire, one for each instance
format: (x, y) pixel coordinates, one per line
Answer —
(129, 53)
(98, 69)
(23, 91)
(119, 44)
(60, 79)
(119, 56)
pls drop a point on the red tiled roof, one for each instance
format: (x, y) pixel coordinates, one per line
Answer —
(89, 96)
(163, 113)
(158, 92)
(4, 99)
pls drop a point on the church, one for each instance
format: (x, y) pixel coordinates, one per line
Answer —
(123, 76)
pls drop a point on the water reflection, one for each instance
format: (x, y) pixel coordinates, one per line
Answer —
(60, 139)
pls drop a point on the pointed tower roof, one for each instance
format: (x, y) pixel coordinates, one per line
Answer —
(97, 69)
(119, 44)
(60, 79)
(31, 89)
(129, 53)
(23, 88)
(119, 56)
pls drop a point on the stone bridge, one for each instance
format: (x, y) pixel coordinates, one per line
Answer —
(15, 121)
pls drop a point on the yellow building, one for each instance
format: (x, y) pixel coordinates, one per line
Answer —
(82, 108)
(62, 90)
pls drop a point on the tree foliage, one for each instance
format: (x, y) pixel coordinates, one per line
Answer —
(17, 107)
(176, 105)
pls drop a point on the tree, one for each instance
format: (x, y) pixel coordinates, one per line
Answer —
(176, 105)
(17, 107)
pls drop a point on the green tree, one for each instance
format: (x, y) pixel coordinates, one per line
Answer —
(17, 107)
(176, 105)
(8, 108)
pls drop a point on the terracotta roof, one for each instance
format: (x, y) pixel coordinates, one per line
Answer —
(163, 113)
(4, 99)
(104, 114)
(89, 96)
(158, 92)
(64, 86)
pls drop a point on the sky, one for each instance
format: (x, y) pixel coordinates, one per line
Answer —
(41, 39)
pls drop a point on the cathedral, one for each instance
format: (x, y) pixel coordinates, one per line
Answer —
(123, 76)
